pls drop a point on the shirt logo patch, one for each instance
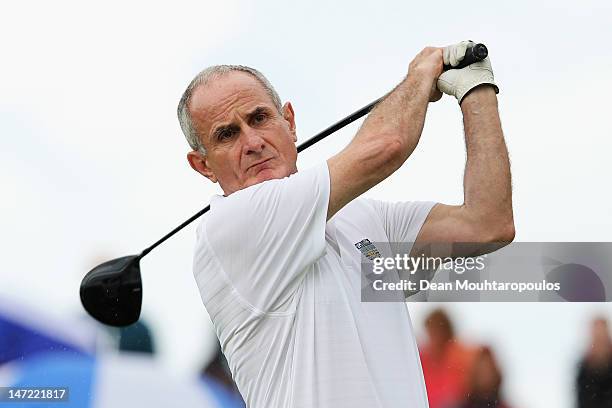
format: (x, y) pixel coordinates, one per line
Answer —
(368, 249)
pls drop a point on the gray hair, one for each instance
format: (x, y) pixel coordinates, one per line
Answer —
(204, 77)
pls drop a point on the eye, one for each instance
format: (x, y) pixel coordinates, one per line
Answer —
(225, 134)
(260, 117)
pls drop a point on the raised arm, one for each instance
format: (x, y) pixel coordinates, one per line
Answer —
(388, 136)
(486, 213)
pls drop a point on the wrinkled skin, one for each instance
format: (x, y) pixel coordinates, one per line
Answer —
(247, 140)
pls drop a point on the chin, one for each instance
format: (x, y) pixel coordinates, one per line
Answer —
(266, 174)
(269, 174)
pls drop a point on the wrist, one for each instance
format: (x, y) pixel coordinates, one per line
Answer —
(420, 82)
(481, 94)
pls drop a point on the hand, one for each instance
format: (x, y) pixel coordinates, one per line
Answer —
(458, 82)
(427, 67)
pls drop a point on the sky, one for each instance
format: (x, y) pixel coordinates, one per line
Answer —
(94, 163)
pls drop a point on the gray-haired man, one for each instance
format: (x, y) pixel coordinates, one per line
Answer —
(277, 258)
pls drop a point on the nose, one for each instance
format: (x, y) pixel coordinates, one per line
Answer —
(253, 142)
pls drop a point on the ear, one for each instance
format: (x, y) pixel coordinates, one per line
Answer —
(289, 116)
(199, 163)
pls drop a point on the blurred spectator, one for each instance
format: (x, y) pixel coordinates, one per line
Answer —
(136, 338)
(594, 380)
(484, 385)
(446, 362)
(218, 377)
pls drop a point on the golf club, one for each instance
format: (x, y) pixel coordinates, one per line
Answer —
(112, 291)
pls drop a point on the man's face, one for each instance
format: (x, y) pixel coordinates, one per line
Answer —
(247, 140)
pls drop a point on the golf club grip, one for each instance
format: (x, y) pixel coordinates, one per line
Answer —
(475, 53)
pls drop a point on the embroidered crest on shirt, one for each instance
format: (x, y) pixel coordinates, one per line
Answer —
(368, 249)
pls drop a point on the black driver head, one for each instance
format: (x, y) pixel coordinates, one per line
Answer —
(112, 292)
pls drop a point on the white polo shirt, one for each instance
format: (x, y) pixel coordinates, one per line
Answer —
(283, 289)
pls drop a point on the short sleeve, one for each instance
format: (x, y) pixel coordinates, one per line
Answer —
(402, 221)
(267, 236)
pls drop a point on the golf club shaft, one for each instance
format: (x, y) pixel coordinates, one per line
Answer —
(174, 231)
(478, 52)
(303, 146)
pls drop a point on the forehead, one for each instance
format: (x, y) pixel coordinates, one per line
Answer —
(222, 94)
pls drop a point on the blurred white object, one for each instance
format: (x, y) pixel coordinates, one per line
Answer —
(105, 381)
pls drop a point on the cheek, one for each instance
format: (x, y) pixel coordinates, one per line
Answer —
(225, 161)
(293, 156)
(288, 149)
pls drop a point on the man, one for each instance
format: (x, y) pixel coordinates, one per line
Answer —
(594, 379)
(276, 261)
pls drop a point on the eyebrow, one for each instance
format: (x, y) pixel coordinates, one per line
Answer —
(232, 126)
(257, 111)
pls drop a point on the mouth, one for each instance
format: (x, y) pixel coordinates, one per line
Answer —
(260, 165)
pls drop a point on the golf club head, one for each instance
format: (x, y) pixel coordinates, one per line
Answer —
(112, 292)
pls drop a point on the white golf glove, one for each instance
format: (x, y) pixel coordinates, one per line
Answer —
(458, 82)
